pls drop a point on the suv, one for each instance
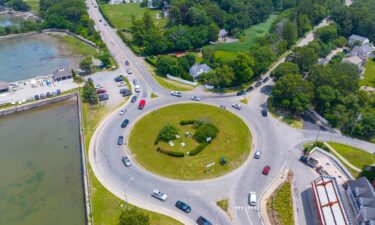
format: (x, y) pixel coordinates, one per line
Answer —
(252, 198)
(203, 221)
(126, 161)
(124, 123)
(176, 93)
(134, 99)
(120, 140)
(183, 206)
(257, 154)
(159, 195)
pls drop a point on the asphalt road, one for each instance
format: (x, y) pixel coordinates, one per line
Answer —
(280, 145)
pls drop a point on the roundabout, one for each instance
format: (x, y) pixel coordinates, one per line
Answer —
(224, 153)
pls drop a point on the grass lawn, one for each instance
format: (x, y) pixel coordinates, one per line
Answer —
(295, 122)
(34, 5)
(355, 156)
(369, 75)
(120, 14)
(248, 38)
(107, 207)
(233, 142)
(283, 205)
(77, 46)
(223, 204)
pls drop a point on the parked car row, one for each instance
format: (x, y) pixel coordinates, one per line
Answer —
(250, 88)
(47, 94)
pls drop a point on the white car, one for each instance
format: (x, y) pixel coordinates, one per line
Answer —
(176, 93)
(121, 83)
(252, 198)
(137, 88)
(195, 98)
(236, 106)
(159, 195)
(97, 86)
(129, 71)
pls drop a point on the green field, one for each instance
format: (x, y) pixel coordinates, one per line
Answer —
(248, 38)
(369, 75)
(358, 157)
(233, 142)
(119, 15)
(78, 46)
(34, 5)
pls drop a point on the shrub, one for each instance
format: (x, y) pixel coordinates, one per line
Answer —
(187, 122)
(167, 133)
(198, 149)
(171, 153)
(204, 131)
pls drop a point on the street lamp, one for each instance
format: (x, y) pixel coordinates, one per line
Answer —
(126, 197)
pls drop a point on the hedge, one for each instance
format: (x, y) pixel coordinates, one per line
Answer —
(150, 60)
(198, 149)
(187, 122)
(170, 153)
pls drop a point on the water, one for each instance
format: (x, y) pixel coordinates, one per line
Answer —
(31, 56)
(9, 20)
(40, 167)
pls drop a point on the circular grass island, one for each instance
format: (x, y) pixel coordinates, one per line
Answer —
(224, 153)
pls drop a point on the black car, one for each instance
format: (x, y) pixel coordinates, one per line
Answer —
(120, 140)
(183, 206)
(126, 93)
(203, 221)
(258, 83)
(265, 79)
(103, 97)
(124, 123)
(264, 112)
(134, 99)
(42, 96)
(127, 63)
(36, 97)
(118, 79)
(249, 88)
(242, 92)
(123, 90)
(58, 91)
(48, 94)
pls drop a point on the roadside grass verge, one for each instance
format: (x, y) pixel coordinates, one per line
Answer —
(107, 207)
(295, 122)
(119, 15)
(233, 142)
(369, 75)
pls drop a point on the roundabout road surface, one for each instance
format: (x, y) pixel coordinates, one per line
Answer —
(278, 142)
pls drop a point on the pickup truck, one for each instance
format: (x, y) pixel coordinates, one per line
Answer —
(309, 161)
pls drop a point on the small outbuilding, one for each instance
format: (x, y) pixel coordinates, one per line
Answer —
(197, 69)
(62, 74)
(4, 87)
(355, 60)
(358, 40)
(222, 36)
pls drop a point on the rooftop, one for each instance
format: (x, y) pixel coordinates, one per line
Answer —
(61, 72)
(358, 38)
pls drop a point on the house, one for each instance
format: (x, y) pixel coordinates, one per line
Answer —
(363, 51)
(355, 60)
(4, 87)
(362, 199)
(222, 36)
(358, 40)
(62, 74)
(197, 69)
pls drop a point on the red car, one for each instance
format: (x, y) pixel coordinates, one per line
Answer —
(101, 91)
(266, 170)
(142, 104)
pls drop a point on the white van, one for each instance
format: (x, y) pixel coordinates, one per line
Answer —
(252, 198)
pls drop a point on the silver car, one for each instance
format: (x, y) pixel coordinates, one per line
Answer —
(126, 161)
(257, 154)
(236, 106)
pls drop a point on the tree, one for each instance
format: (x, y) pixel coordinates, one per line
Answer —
(213, 31)
(304, 24)
(18, 5)
(242, 66)
(365, 127)
(133, 216)
(168, 133)
(154, 42)
(186, 62)
(205, 131)
(263, 58)
(292, 93)
(325, 97)
(85, 64)
(105, 58)
(148, 22)
(290, 33)
(220, 76)
(305, 58)
(167, 65)
(89, 93)
(174, 17)
(197, 16)
(284, 69)
(327, 33)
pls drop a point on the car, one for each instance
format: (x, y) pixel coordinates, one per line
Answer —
(36, 97)
(266, 79)
(137, 88)
(135, 82)
(42, 96)
(100, 20)
(119, 79)
(134, 99)
(124, 123)
(236, 106)
(266, 170)
(195, 98)
(121, 83)
(258, 83)
(122, 111)
(183, 206)
(127, 63)
(126, 161)
(264, 112)
(123, 90)
(58, 91)
(129, 71)
(127, 93)
(97, 86)
(48, 94)
(103, 97)
(252, 198)
(159, 195)
(142, 104)
(120, 140)
(101, 91)
(176, 93)
(54, 93)
(203, 221)
(242, 92)
(257, 154)
(249, 88)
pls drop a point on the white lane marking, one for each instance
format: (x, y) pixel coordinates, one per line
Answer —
(248, 217)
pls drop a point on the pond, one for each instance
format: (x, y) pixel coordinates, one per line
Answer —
(40, 167)
(9, 20)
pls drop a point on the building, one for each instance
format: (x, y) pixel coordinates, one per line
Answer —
(355, 60)
(197, 69)
(362, 199)
(4, 87)
(222, 36)
(329, 202)
(363, 51)
(62, 74)
(358, 40)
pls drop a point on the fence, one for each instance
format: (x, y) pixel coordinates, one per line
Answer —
(181, 80)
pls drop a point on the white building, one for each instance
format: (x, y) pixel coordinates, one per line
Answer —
(197, 69)
(358, 40)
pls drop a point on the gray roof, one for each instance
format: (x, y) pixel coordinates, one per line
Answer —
(198, 69)
(355, 37)
(223, 32)
(364, 49)
(3, 85)
(61, 72)
(363, 192)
